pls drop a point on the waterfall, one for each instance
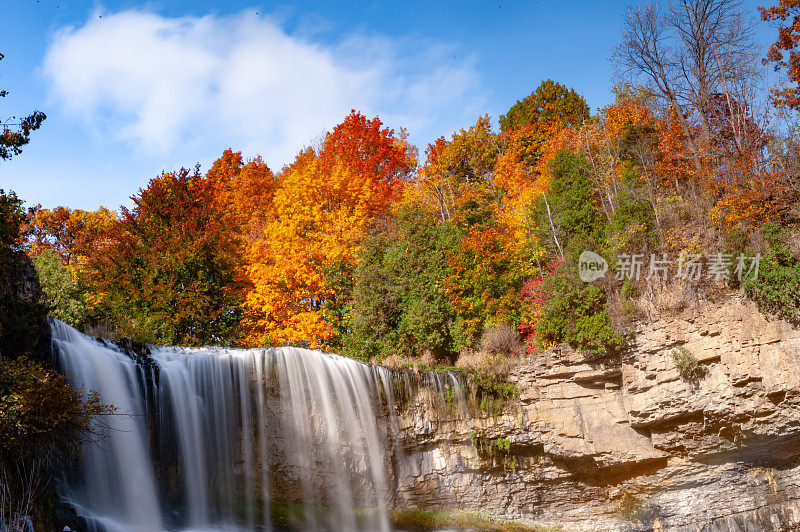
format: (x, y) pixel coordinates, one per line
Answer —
(247, 439)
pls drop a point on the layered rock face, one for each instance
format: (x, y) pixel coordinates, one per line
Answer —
(622, 443)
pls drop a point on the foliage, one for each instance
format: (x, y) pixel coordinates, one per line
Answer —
(485, 270)
(62, 296)
(22, 314)
(354, 247)
(244, 192)
(689, 368)
(492, 391)
(567, 215)
(500, 339)
(320, 211)
(786, 14)
(452, 167)
(632, 224)
(319, 217)
(164, 271)
(551, 102)
(373, 153)
(399, 304)
(39, 411)
(72, 234)
(565, 310)
(12, 221)
(777, 287)
(496, 451)
(12, 140)
(43, 421)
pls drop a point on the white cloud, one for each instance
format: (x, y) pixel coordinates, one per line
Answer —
(182, 85)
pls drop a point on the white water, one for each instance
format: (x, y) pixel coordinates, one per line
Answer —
(207, 433)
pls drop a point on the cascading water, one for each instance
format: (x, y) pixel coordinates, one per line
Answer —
(219, 438)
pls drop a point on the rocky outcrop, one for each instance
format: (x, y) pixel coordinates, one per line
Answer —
(626, 442)
(24, 330)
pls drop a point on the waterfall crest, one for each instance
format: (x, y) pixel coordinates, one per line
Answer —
(215, 438)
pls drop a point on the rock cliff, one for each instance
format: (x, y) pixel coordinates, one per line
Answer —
(23, 317)
(626, 442)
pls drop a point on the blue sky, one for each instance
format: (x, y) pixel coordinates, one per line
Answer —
(132, 88)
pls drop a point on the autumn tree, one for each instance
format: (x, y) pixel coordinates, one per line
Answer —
(375, 153)
(686, 54)
(300, 266)
(550, 102)
(486, 269)
(451, 166)
(70, 233)
(783, 52)
(319, 215)
(164, 270)
(244, 191)
(16, 132)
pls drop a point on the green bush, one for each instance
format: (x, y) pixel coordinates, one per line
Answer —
(689, 368)
(63, 298)
(576, 313)
(399, 305)
(776, 290)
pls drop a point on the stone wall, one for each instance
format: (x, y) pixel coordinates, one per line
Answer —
(625, 442)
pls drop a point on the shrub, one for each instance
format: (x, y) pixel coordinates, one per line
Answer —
(776, 290)
(500, 339)
(399, 305)
(63, 298)
(570, 312)
(492, 391)
(43, 421)
(689, 368)
(499, 365)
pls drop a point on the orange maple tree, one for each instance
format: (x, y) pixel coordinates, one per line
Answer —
(787, 14)
(319, 212)
(71, 233)
(372, 152)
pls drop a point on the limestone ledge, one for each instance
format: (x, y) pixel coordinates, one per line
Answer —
(623, 442)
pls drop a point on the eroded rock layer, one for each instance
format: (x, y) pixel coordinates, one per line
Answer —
(626, 442)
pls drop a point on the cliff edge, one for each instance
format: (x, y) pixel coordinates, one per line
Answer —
(629, 442)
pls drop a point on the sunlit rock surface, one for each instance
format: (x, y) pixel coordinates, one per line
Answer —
(625, 443)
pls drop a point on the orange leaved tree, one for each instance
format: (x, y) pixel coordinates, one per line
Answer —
(319, 215)
(299, 266)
